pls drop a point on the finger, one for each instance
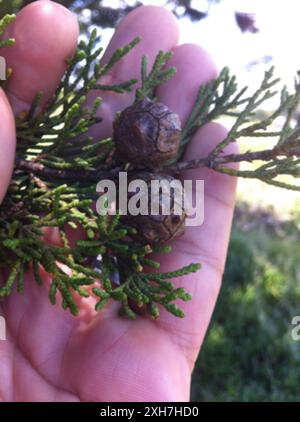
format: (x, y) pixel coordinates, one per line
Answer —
(46, 35)
(208, 243)
(194, 68)
(159, 30)
(7, 144)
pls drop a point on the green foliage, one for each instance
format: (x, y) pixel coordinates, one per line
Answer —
(58, 166)
(249, 354)
(54, 186)
(4, 22)
(156, 77)
(279, 165)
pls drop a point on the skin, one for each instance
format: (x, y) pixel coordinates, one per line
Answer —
(50, 355)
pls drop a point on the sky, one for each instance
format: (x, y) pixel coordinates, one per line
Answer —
(279, 30)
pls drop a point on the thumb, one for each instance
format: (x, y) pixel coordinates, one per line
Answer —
(7, 144)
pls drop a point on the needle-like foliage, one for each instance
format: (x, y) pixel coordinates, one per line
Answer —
(58, 166)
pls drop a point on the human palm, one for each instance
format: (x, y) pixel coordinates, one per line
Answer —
(49, 355)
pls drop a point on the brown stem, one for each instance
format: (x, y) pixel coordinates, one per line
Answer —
(213, 162)
(11, 209)
(94, 176)
(48, 173)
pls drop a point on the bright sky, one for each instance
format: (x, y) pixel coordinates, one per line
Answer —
(278, 22)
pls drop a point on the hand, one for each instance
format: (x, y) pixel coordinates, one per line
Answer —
(50, 355)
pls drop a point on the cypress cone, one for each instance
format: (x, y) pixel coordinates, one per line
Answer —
(147, 133)
(155, 229)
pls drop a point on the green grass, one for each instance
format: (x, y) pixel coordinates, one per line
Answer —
(248, 354)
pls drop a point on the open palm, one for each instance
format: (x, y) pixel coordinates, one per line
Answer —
(49, 355)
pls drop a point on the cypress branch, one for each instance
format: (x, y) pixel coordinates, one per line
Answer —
(58, 166)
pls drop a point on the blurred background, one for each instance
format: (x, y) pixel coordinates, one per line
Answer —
(248, 354)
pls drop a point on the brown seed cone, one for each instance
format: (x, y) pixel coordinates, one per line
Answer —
(160, 228)
(147, 133)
